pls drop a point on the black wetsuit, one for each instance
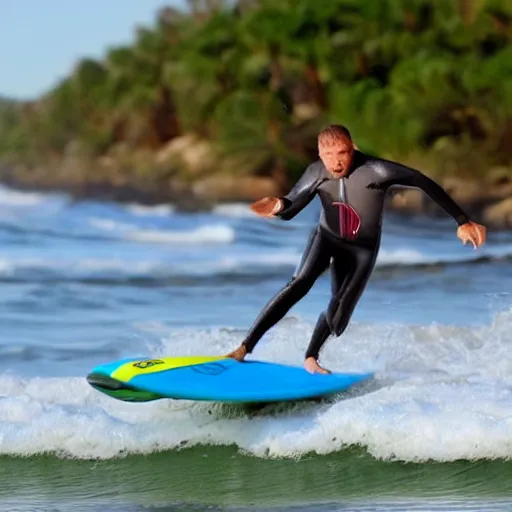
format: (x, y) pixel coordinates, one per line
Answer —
(347, 238)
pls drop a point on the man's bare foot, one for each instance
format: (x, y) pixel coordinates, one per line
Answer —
(238, 354)
(312, 366)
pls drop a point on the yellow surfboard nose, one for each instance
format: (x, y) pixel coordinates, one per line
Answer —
(128, 371)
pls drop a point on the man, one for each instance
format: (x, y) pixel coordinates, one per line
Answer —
(352, 187)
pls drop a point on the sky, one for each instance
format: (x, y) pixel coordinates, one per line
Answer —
(40, 40)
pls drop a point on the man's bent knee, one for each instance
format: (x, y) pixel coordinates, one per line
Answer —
(337, 321)
(300, 284)
(340, 312)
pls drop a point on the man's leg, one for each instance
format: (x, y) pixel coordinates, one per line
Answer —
(339, 275)
(350, 271)
(314, 262)
(320, 334)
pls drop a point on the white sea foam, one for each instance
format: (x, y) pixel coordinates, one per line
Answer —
(14, 198)
(205, 234)
(237, 210)
(84, 267)
(247, 261)
(408, 256)
(205, 264)
(159, 210)
(214, 233)
(441, 393)
(110, 225)
(150, 268)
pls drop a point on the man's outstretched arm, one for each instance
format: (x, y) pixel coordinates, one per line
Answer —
(468, 230)
(289, 205)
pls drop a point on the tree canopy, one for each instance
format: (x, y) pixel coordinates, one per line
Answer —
(411, 79)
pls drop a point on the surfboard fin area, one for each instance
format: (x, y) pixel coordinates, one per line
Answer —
(214, 379)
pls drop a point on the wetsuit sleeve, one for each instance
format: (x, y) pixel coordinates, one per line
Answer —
(301, 194)
(405, 176)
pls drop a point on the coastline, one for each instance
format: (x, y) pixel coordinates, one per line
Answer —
(486, 201)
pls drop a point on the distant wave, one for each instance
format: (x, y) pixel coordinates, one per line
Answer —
(159, 210)
(441, 393)
(10, 197)
(116, 270)
(205, 234)
(29, 354)
(110, 225)
(411, 257)
(237, 210)
(220, 266)
(214, 233)
(33, 269)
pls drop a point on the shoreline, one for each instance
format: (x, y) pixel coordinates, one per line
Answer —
(490, 205)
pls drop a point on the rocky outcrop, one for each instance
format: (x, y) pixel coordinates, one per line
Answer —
(499, 215)
(487, 201)
(407, 202)
(194, 155)
(234, 188)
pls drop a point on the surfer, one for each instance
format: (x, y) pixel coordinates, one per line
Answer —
(352, 187)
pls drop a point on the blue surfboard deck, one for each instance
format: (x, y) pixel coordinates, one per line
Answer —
(215, 379)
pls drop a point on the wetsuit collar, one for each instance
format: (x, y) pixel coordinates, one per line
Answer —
(357, 160)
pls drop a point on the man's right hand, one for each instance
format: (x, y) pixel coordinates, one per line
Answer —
(268, 206)
(472, 232)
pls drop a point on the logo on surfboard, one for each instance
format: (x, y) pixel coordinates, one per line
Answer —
(148, 363)
(210, 368)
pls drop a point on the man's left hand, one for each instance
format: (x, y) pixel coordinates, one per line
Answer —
(472, 232)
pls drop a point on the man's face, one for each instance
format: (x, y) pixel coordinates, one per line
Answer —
(337, 155)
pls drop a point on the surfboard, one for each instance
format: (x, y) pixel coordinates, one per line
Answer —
(216, 379)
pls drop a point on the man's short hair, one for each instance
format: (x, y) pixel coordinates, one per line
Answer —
(333, 133)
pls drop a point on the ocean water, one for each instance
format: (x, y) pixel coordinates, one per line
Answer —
(85, 283)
